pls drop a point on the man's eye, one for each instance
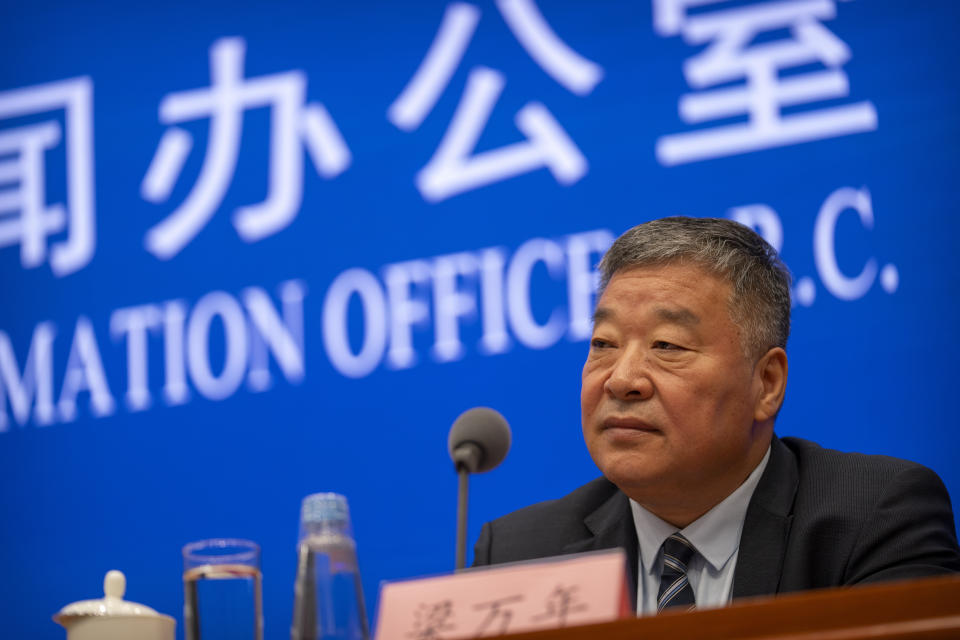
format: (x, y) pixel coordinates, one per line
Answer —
(669, 346)
(597, 343)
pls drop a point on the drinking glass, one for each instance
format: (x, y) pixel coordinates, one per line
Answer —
(221, 590)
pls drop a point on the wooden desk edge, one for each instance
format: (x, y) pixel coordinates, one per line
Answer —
(926, 608)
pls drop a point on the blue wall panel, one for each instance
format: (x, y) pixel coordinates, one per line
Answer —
(243, 258)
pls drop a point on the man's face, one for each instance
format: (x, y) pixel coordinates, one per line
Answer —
(668, 398)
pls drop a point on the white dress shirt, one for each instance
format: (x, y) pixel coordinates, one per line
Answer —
(716, 537)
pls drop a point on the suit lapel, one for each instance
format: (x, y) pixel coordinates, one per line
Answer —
(762, 543)
(612, 526)
(766, 526)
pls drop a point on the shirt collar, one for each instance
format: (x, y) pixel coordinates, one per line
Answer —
(715, 534)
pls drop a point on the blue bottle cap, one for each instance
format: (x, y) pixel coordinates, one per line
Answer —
(325, 508)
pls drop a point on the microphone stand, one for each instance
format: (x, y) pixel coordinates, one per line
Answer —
(464, 480)
(466, 459)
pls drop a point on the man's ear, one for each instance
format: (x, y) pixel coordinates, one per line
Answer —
(771, 372)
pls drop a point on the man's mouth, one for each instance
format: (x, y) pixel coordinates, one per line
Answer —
(628, 423)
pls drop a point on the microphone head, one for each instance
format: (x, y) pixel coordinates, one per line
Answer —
(485, 429)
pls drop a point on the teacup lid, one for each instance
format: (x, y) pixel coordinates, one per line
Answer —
(112, 603)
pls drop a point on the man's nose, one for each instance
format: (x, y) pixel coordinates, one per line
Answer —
(630, 377)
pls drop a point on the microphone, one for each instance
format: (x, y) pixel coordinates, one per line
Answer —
(478, 441)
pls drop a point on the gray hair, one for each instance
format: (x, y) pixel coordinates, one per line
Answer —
(760, 302)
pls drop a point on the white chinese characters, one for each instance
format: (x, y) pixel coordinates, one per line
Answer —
(454, 167)
(26, 218)
(732, 53)
(292, 123)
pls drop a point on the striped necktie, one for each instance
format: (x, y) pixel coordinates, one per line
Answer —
(675, 590)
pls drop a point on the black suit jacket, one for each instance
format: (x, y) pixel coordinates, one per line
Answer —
(818, 518)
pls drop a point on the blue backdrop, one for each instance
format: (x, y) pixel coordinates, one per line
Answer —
(252, 252)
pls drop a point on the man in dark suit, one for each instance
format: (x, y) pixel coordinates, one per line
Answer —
(686, 372)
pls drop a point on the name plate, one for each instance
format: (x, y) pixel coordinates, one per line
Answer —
(543, 594)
